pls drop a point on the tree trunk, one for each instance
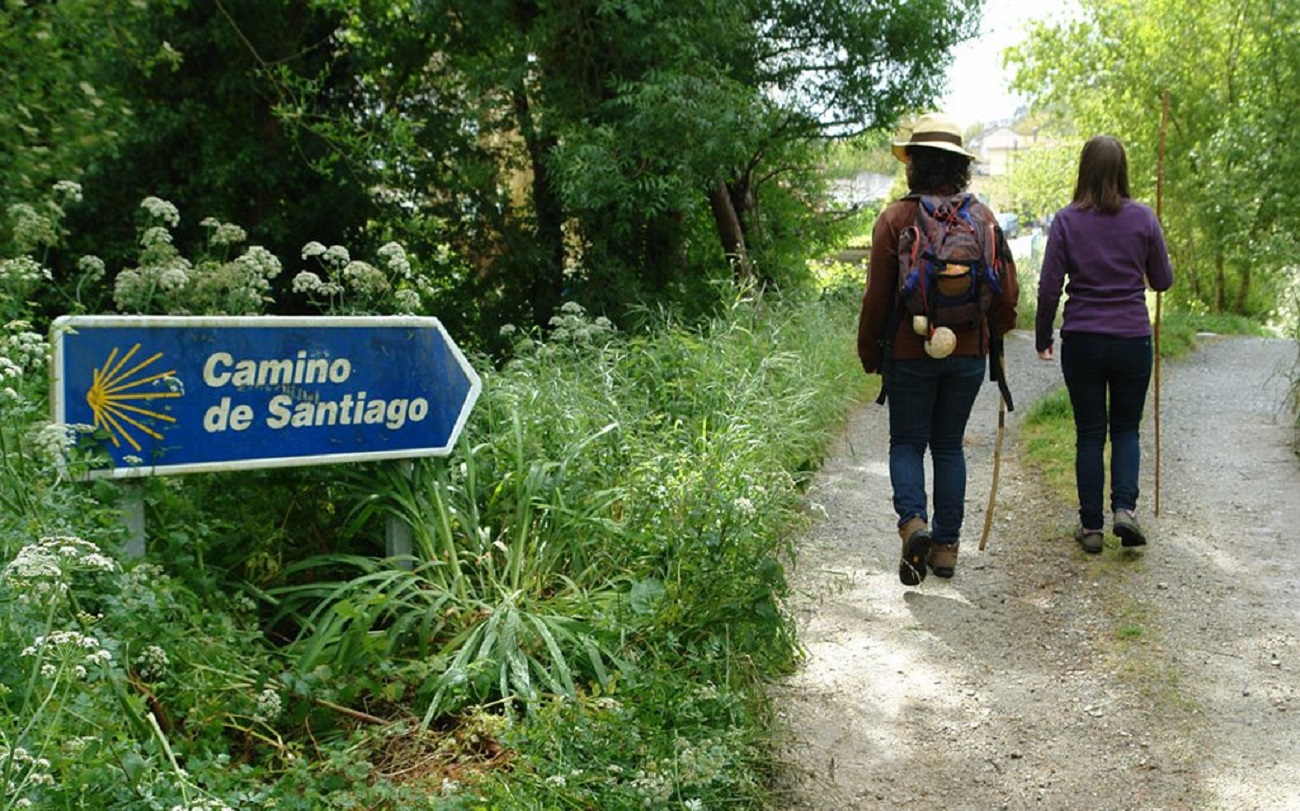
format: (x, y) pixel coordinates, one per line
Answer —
(1220, 283)
(730, 233)
(746, 206)
(1243, 290)
(546, 287)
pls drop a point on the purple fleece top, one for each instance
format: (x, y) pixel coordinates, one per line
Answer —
(1109, 260)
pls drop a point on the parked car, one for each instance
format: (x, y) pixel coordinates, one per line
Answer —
(1010, 225)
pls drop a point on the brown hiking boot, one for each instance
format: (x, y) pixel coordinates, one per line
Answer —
(1125, 525)
(916, 551)
(943, 559)
(1089, 539)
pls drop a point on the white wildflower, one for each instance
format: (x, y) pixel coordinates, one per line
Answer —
(337, 255)
(223, 233)
(22, 270)
(92, 267)
(71, 648)
(152, 663)
(312, 249)
(366, 278)
(27, 349)
(155, 236)
(407, 300)
(162, 210)
(32, 229)
(307, 282)
(174, 275)
(69, 190)
(203, 804)
(268, 706)
(449, 787)
(395, 256)
(260, 262)
(51, 441)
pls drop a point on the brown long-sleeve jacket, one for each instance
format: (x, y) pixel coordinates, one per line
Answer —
(882, 291)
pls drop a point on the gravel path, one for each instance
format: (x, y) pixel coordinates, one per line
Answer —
(1042, 678)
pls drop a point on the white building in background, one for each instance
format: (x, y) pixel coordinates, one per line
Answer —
(997, 148)
(858, 191)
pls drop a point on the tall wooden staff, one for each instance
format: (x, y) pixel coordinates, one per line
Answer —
(997, 451)
(1160, 201)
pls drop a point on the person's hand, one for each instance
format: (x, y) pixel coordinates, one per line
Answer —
(1045, 354)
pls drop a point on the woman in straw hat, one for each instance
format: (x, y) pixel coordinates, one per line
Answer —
(1109, 248)
(930, 398)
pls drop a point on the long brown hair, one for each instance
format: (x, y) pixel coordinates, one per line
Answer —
(1103, 175)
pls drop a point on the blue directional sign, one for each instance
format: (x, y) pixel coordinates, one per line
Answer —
(186, 394)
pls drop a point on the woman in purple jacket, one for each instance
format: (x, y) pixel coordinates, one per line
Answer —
(1105, 249)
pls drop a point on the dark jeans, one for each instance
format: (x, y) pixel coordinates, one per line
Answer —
(929, 403)
(1099, 368)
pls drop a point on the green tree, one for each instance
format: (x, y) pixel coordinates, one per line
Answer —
(1230, 70)
(54, 113)
(621, 151)
(207, 131)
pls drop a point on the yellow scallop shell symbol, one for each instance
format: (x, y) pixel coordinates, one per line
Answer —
(114, 393)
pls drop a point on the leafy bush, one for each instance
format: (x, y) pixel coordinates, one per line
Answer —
(595, 591)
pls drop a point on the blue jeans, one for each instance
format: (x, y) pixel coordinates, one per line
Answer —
(929, 403)
(1098, 369)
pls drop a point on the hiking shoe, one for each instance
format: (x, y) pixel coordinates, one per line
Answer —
(943, 559)
(916, 551)
(1089, 539)
(1125, 526)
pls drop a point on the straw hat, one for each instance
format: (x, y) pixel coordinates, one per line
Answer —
(934, 130)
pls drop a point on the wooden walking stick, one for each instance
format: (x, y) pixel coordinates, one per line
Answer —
(1160, 201)
(997, 459)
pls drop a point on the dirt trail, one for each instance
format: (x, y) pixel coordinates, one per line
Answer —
(1042, 678)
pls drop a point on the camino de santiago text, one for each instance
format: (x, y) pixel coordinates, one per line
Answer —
(222, 369)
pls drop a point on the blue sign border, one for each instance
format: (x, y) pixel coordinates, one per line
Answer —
(182, 394)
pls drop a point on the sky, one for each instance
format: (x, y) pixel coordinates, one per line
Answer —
(977, 89)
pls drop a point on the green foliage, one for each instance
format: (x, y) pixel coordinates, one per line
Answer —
(682, 743)
(1047, 435)
(1229, 71)
(613, 525)
(204, 133)
(107, 673)
(866, 152)
(614, 528)
(56, 113)
(1042, 180)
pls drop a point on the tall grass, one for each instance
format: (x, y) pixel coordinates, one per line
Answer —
(595, 594)
(617, 519)
(608, 488)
